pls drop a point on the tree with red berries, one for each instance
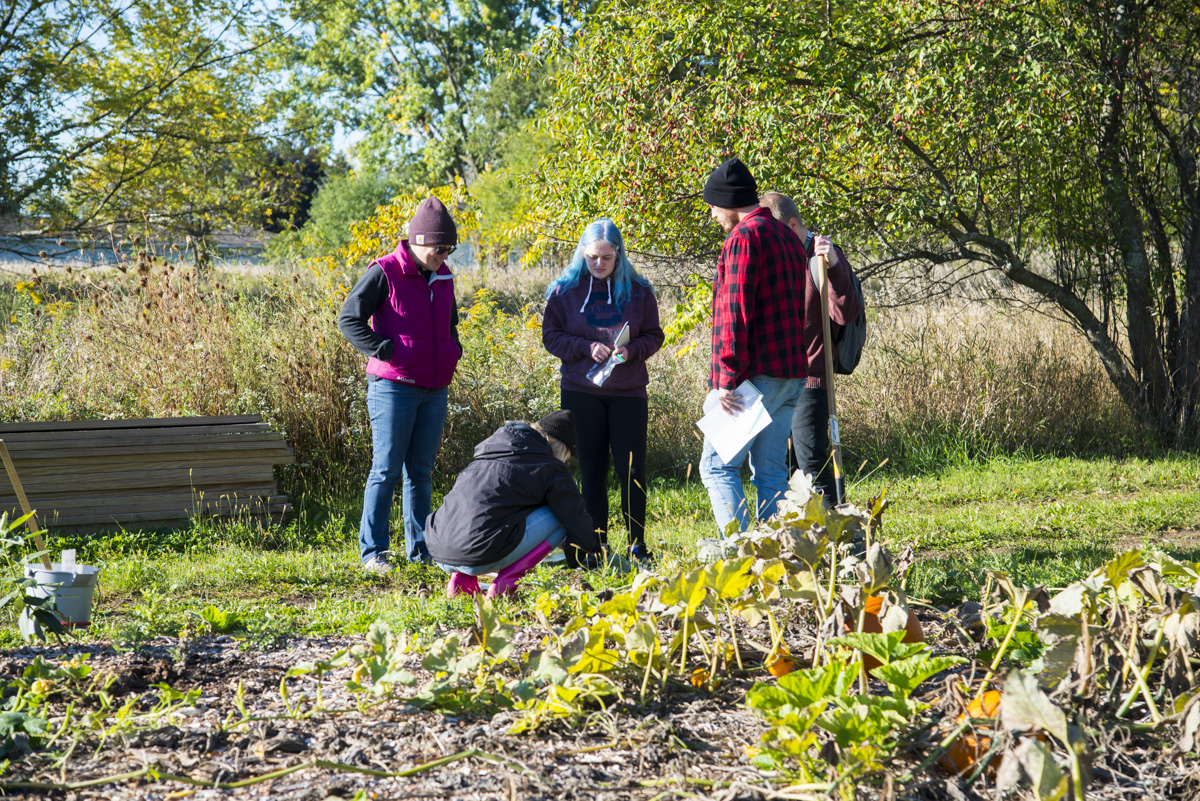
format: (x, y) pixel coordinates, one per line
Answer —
(1017, 150)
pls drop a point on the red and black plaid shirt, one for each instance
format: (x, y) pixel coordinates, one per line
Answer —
(758, 303)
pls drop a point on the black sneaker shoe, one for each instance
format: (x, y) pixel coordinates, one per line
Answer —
(639, 553)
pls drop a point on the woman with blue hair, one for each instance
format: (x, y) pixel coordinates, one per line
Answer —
(603, 380)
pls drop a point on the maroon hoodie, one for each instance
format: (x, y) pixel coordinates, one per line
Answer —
(843, 307)
(577, 317)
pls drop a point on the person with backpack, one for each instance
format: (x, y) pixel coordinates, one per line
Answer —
(810, 420)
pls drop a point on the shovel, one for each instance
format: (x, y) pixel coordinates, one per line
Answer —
(820, 272)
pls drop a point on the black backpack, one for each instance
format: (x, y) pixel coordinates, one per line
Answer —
(851, 337)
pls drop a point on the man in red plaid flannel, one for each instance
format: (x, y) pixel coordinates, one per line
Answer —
(758, 320)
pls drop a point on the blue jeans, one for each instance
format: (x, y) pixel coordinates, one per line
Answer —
(541, 525)
(768, 458)
(406, 430)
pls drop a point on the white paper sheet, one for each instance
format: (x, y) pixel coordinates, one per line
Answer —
(730, 433)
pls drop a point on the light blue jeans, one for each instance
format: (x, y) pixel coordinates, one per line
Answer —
(541, 525)
(768, 458)
(406, 430)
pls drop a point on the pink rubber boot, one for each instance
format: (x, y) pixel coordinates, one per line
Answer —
(460, 583)
(506, 579)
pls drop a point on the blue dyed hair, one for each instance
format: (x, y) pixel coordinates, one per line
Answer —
(623, 274)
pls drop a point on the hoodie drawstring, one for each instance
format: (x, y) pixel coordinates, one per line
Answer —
(591, 283)
(591, 278)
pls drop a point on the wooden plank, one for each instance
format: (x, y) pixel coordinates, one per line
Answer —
(23, 502)
(47, 507)
(31, 466)
(151, 422)
(273, 504)
(182, 440)
(54, 499)
(160, 517)
(132, 450)
(133, 433)
(78, 482)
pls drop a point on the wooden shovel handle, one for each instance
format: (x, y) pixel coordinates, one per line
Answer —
(32, 521)
(835, 439)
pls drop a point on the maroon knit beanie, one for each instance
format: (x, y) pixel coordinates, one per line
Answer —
(432, 224)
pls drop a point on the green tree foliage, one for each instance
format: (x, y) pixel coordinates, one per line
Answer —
(343, 199)
(293, 173)
(1050, 146)
(417, 78)
(135, 111)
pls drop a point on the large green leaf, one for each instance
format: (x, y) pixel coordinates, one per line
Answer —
(905, 675)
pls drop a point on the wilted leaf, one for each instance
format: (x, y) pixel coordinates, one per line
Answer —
(642, 638)
(1048, 779)
(1189, 726)
(1025, 707)
(623, 604)
(1117, 570)
(731, 578)
(1069, 602)
(875, 571)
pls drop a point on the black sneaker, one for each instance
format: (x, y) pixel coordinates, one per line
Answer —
(639, 553)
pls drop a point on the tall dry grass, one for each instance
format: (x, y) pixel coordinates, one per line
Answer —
(935, 385)
(969, 381)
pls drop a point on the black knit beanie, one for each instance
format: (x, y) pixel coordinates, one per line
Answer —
(432, 224)
(731, 186)
(561, 426)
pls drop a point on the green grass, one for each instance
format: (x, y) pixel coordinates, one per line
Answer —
(1045, 521)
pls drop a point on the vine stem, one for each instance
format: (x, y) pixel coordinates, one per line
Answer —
(937, 752)
(1000, 652)
(1139, 678)
(154, 775)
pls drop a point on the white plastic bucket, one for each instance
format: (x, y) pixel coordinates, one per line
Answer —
(72, 586)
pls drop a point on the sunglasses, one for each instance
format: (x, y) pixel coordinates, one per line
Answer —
(445, 250)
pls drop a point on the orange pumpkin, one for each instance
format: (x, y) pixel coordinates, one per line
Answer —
(871, 625)
(969, 748)
(986, 706)
(780, 662)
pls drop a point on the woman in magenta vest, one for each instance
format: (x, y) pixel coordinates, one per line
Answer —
(402, 315)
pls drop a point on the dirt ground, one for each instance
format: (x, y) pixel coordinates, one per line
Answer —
(690, 736)
(688, 743)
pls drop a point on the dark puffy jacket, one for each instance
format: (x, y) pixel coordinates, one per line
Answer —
(482, 519)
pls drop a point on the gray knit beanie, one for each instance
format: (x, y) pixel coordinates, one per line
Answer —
(432, 224)
(731, 186)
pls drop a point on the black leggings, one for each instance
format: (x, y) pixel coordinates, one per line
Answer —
(601, 423)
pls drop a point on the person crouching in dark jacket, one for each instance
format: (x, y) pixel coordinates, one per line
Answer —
(510, 507)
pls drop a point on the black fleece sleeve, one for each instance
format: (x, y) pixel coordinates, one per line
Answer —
(361, 303)
(563, 498)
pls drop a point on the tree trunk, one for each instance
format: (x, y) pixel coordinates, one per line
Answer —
(201, 257)
(1156, 407)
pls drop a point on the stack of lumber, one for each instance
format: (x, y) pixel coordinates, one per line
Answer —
(92, 474)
